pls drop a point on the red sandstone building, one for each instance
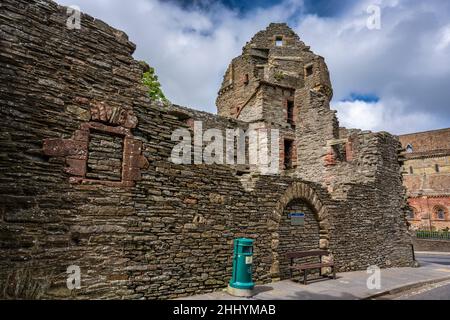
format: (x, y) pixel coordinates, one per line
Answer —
(427, 178)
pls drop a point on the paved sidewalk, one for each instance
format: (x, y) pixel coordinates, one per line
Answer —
(347, 286)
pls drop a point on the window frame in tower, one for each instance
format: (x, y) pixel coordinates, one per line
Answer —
(290, 110)
(309, 70)
(409, 148)
(279, 42)
(246, 79)
(288, 154)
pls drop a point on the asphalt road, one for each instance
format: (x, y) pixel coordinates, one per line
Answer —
(443, 258)
(437, 291)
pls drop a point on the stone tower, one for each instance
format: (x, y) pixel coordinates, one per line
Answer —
(279, 82)
(274, 67)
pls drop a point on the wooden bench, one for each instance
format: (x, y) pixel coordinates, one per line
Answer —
(308, 266)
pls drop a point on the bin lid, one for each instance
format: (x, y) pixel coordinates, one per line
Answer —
(244, 241)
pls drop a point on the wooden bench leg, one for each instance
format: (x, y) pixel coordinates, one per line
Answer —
(334, 273)
(305, 275)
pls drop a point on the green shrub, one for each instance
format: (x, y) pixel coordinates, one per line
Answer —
(150, 80)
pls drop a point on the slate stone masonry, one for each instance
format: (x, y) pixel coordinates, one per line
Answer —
(159, 230)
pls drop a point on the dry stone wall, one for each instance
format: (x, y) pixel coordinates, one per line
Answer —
(156, 230)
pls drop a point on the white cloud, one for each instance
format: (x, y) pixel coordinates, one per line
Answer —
(189, 49)
(368, 116)
(379, 116)
(444, 38)
(405, 63)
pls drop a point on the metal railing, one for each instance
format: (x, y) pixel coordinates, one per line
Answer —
(435, 235)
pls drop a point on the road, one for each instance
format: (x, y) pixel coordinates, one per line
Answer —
(436, 291)
(431, 257)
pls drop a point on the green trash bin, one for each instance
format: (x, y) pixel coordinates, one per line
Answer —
(242, 264)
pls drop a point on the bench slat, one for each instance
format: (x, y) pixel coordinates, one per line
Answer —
(312, 266)
(304, 254)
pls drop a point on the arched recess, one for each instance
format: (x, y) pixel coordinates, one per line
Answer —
(298, 191)
(413, 214)
(440, 212)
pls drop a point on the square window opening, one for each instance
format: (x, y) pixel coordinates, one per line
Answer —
(309, 71)
(288, 154)
(279, 41)
(246, 79)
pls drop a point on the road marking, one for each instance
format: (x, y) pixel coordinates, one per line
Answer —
(433, 253)
(418, 291)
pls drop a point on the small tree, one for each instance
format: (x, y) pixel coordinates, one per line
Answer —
(150, 80)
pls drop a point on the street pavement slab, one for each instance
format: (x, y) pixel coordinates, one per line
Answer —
(347, 286)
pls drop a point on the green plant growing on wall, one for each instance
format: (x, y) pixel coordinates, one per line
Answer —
(278, 76)
(150, 80)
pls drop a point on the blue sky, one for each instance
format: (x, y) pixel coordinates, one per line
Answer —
(323, 8)
(394, 79)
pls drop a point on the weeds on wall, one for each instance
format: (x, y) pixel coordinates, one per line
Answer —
(23, 284)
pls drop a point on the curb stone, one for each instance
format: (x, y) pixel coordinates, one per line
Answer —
(406, 287)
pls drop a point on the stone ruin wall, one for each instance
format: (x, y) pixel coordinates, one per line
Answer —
(163, 230)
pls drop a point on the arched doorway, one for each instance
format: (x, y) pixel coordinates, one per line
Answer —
(299, 199)
(294, 236)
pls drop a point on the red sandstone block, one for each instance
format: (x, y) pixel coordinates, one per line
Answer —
(131, 173)
(349, 151)
(76, 167)
(64, 147)
(81, 135)
(330, 159)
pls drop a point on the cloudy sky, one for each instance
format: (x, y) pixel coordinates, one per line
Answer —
(395, 78)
